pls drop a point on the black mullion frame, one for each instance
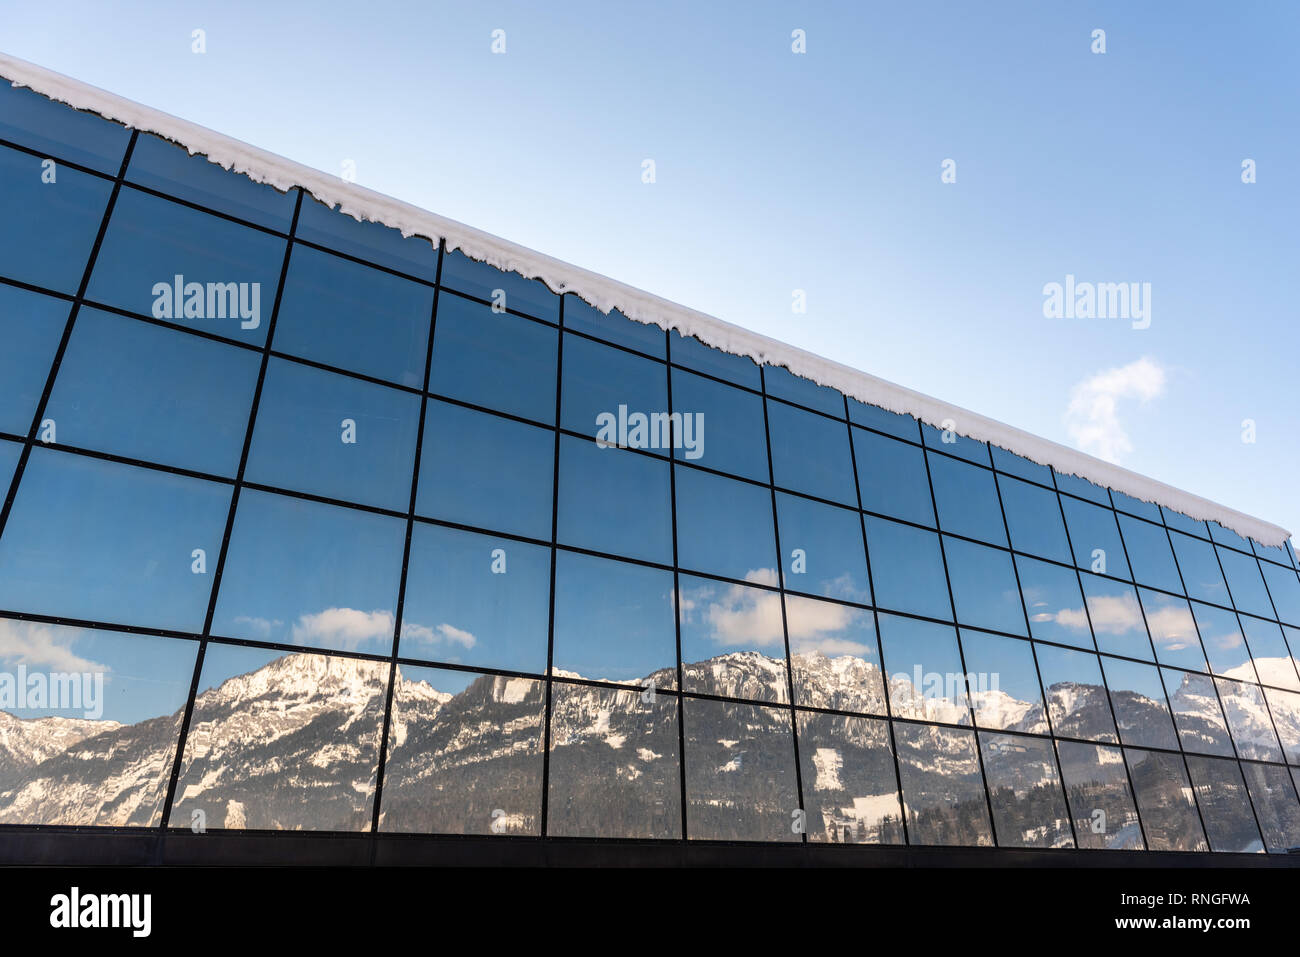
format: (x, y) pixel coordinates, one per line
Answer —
(544, 820)
(677, 593)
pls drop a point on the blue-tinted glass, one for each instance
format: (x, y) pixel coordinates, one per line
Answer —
(347, 315)
(172, 262)
(145, 392)
(499, 361)
(9, 455)
(509, 289)
(907, 569)
(1245, 582)
(955, 444)
(1285, 707)
(892, 478)
(1284, 588)
(371, 241)
(781, 383)
(834, 655)
(1149, 554)
(1095, 538)
(616, 396)
(726, 426)
(1200, 569)
(967, 498)
(1225, 806)
(1003, 683)
(724, 527)
(733, 642)
(48, 229)
(1248, 720)
(1139, 701)
(106, 542)
(1076, 694)
(810, 453)
(1226, 536)
(1276, 553)
(1197, 712)
(1054, 603)
(984, 586)
(31, 326)
(172, 169)
(1034, 518)
(614, 327)
(1225, 647)
(614, 501)
(57, 130)
(1020, 466)
(926, 677)
(882, 420)
(310, 574)
(1116, 617)
(822, 549)
(693, 354)
(1173, 630)
(614, 621)
(1127, 503)
(1082, 488)
(481, 469)
(476, 600)
(1183, 523)
(1095, 780)
(1269, 650)
(334, 436)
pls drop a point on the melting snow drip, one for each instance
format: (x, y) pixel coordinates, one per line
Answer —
(606, 294)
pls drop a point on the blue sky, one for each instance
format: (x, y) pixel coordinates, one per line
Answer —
(821, 172)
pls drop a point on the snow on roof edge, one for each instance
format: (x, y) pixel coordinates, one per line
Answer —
(606, 294)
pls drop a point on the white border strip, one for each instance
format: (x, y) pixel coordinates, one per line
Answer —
(606, 294)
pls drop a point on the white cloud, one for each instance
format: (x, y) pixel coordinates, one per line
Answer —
(39, 645)
(413, 631)
(1092, 418)
(345, 628)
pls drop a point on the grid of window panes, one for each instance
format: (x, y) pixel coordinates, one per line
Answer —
(335, 547)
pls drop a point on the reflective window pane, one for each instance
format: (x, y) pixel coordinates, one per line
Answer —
(1285, 707)
(1284, 589)
(1183, 523)
(50, 128)
(1245, 583)
(1173, 630)
(1197, 713)
(810, 454)
(783, 384)
(510, 289)
(1095, 538)
(1082, 488)
(1268, 648)
(1226, 536)
(1116, 617)
(726, 426)
(9, 455)
(954, 443)
(1138, 699)
(967, 497)
(850, 787)
(1127, 503)
(616, 396)
(892, 478)
(1150, 555)
(1164, 799)
(1054, 603)
(1003, 682)
(834, 655)
(733, 642)
(1224, 644)
(1274, 796)
(693, 354)
(724, 527)
(612, 327)
(926, 677)
(1097, 788)
(1025, 791)
(984, 586)
(882, 420)
(943, 792)
(823, 550)
(1034, 518)
(1020, 467)
(1225, 805)
(31, 326)
(615, 501)
(907, 569)
(1200, 569)
(371, 241)
(1076, 694)
(1248, 719)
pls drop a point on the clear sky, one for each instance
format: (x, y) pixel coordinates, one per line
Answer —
(821, 171)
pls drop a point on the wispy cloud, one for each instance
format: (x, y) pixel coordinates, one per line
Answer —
(38, 645)
(1092, 418)
(346, 628)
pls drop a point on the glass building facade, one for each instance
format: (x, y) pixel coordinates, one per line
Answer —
(311, 527)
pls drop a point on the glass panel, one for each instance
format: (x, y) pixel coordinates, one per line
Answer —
(850, 785)
(984, 586)
(955, 444)
(833, 649)
(1274, 796)
(874, 417)
(1138, 699)
(615, 396)
(501, 362)
(276, 780)
(95, 540)
(464, 754)
(810, 454)
(724, 526)
(321, 224)
(510, 289)
(740, 772)
(1097, 788)
(1054, 603)
(1248, 719)
(1150, 555)
(343, 314)
(1245, 583)
(10, 452)
(613, 327)
(1164, 798)
(731, 420)
(1184, 524)
(1025, 791)
(144, 392)
(1226, 536)
(31, 327)
(892, 478)
(782, 384)
(1003, 683)
(926, 677)
(1034, 518)
(615, 501)
(1284, 588)
(1116, 617)
(943, 791)
(481, 469)
(1095, 538)
(1224, 644)
(310, 574)
(967, 497)
(907, 569)
(1127, 503)
(1285, 706)
(1272, 657)
(1076, 694)
(334, 436)
(614, 770)
(1197, 713)
(1083, 488)
(90, 720)
(171, 262)
(172, 169)
(1225, 805)
(48, 230)
(1276, 553)
(55, 129)
(693, 354)
(1173, 631)
(823, 549)
(1200, 569)
(614, 621)
(733, 642)
(1020, 467)
(476, 600)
